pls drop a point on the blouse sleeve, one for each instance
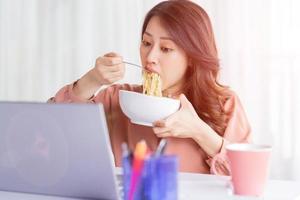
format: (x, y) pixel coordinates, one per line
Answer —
(238, 131)
(106, 96)
(66, 95)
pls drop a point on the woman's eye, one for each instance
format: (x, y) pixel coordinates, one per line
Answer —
(145, 43)
(165, 49)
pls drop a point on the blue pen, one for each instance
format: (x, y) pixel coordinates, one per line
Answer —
(126, 165)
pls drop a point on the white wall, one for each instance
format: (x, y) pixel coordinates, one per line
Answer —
(47, 44)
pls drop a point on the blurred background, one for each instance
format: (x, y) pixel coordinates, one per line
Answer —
(46, 44)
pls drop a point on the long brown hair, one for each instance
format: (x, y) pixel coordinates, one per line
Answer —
(190, 27)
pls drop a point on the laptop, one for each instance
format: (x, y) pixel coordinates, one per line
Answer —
(56, 149)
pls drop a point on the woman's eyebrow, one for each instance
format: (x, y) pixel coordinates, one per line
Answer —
(162, 38)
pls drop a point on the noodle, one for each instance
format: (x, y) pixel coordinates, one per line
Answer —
(151, 84)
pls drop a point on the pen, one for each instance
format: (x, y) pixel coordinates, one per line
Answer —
(138, 163)
(126, 153)
(161, 147)
(126, 165)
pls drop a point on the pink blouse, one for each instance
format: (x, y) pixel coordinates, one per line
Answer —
(191, 156)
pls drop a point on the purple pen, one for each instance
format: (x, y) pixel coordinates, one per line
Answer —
(126, 165)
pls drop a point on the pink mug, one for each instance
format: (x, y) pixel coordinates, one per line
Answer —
(249, 167)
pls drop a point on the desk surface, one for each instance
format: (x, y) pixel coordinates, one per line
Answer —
(211, 187)
(195, 186)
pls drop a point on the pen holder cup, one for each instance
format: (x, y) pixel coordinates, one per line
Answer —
(159, 179)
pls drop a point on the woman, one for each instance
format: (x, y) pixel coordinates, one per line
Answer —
(178, 44)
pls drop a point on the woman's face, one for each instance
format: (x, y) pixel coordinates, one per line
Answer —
(161, 55)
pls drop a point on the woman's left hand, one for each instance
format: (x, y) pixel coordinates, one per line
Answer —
(185, 123)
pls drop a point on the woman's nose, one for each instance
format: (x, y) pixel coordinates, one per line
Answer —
(152, 60)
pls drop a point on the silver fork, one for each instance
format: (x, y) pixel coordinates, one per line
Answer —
(139, 66)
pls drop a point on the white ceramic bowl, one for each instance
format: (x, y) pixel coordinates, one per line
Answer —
(144, 109)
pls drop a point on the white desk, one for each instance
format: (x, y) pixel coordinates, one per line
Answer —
(210, 187)
(197, 186)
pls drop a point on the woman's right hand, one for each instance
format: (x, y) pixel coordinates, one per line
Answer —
(107, 70)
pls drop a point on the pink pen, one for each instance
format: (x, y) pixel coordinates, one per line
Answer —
(138, 163)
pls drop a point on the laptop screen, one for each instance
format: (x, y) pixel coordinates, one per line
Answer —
(56, 149)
